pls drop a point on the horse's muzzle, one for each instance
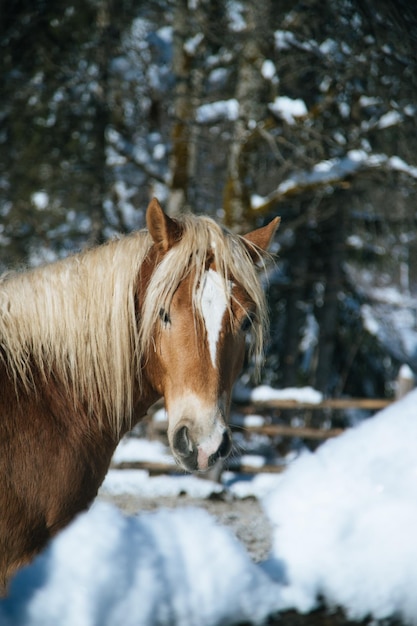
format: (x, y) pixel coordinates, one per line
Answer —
(200, 455)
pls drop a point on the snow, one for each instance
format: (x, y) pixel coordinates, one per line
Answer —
(406, 372)
(288, 108)
(252, 460)
(392, 118)
(235, 14)
(343, 520)
(40, 199)
(391, 317)
(132, 449)
(369, 101)
(401, 166)
(248, 420)
(307, 395)
(369, 321)
(165, 568)
(192, 44)
(268, 70)
(138, 482)
(330, 170)
(256, 201)
(285, 39)
(265, 393)
(216, 111)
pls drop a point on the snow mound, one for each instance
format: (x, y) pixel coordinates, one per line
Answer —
(345, 520)
(164, 568)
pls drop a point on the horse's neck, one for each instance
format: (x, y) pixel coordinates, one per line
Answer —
(53, 399)
(142, 401)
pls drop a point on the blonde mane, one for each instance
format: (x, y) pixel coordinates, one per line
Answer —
(76, 319)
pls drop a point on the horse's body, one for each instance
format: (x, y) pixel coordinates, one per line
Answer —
(89, 343)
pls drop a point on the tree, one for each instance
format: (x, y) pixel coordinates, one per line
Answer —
(251, 93)
(54, 120)
(240, 110)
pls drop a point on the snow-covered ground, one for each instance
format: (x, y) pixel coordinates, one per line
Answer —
(344, 521)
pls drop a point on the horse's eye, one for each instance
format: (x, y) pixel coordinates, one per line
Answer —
(164, 316)
(247, 322)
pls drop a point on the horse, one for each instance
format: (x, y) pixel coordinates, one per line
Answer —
(89, 343)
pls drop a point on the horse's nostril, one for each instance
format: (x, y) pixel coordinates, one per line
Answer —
(223, 450)
(225, 446)
(182, 442)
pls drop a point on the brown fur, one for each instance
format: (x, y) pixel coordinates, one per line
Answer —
(81, 360)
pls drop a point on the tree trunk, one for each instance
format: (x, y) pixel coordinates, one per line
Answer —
(299, 265)
(183, 110)
(104, 52)
(333, 245)
(252, 110)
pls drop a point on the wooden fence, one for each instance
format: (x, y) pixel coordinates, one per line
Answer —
(157, 429)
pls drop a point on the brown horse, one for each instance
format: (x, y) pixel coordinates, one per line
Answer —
(89, 343)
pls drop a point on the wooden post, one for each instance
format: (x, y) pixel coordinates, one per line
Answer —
(405, 382)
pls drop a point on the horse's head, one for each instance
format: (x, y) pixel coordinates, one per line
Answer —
(202, 298)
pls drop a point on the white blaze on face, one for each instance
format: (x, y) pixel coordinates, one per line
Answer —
(213, 307)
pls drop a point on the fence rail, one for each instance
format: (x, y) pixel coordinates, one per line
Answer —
(371, 404)
(270, 430)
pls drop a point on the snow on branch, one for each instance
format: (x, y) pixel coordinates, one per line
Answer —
(218, 111)
(331, 172)
(120, 149)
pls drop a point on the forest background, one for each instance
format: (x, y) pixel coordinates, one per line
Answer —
(241, 110)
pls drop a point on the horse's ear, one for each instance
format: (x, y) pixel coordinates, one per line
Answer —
(163, 229)
(260, 239)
